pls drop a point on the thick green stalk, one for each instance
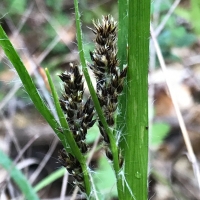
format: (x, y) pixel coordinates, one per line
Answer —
(122, 56)
(113, 144)
(136, 147)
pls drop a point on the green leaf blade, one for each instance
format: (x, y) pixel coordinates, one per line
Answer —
(18, 177)
(28, 82)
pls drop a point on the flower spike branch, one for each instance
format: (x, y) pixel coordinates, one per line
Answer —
(108, 75)
(109, 84)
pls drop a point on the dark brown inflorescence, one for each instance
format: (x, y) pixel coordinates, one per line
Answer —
(106, 69)
(73, 167)
(109, 78)
(79, 115)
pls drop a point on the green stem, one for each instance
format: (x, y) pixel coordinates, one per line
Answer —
(114, 148)
(65, 137)
(65, 127)
(69, 137)
(85, 71)
(136, 144)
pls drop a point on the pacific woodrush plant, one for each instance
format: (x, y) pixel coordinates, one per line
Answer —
(109, 85)
(135, 33)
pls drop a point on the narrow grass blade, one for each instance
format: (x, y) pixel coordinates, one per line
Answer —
(123, 60)
(65, 127)
(17, 177)
(28, 82)
(69, 137)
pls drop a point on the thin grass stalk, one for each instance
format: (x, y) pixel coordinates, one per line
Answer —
(19, 179)
(136, 137)
(65, 127)
(59, 173)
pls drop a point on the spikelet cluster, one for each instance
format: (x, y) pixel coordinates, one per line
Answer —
(73, 167)
(109, 85)
(106, 69)
(79, 116)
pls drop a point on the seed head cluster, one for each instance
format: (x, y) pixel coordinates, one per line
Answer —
(79, 116)
(73, 167)
(106, 69)
(109, 85)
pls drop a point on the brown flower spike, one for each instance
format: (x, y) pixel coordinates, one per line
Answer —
(106, 69)
(79, 118)
(79, 115)
(73, 167)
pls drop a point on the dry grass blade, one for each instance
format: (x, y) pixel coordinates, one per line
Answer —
(58, 28)
(167, 16)
(44, 161)
(21, 152)
(64, 186)
(186, 138)
(11, 132)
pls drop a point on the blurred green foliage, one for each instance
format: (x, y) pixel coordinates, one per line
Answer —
(179, 30)
(104, 179)
(16, 6)
(173, 35)
(92, 134)
(157, 133)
